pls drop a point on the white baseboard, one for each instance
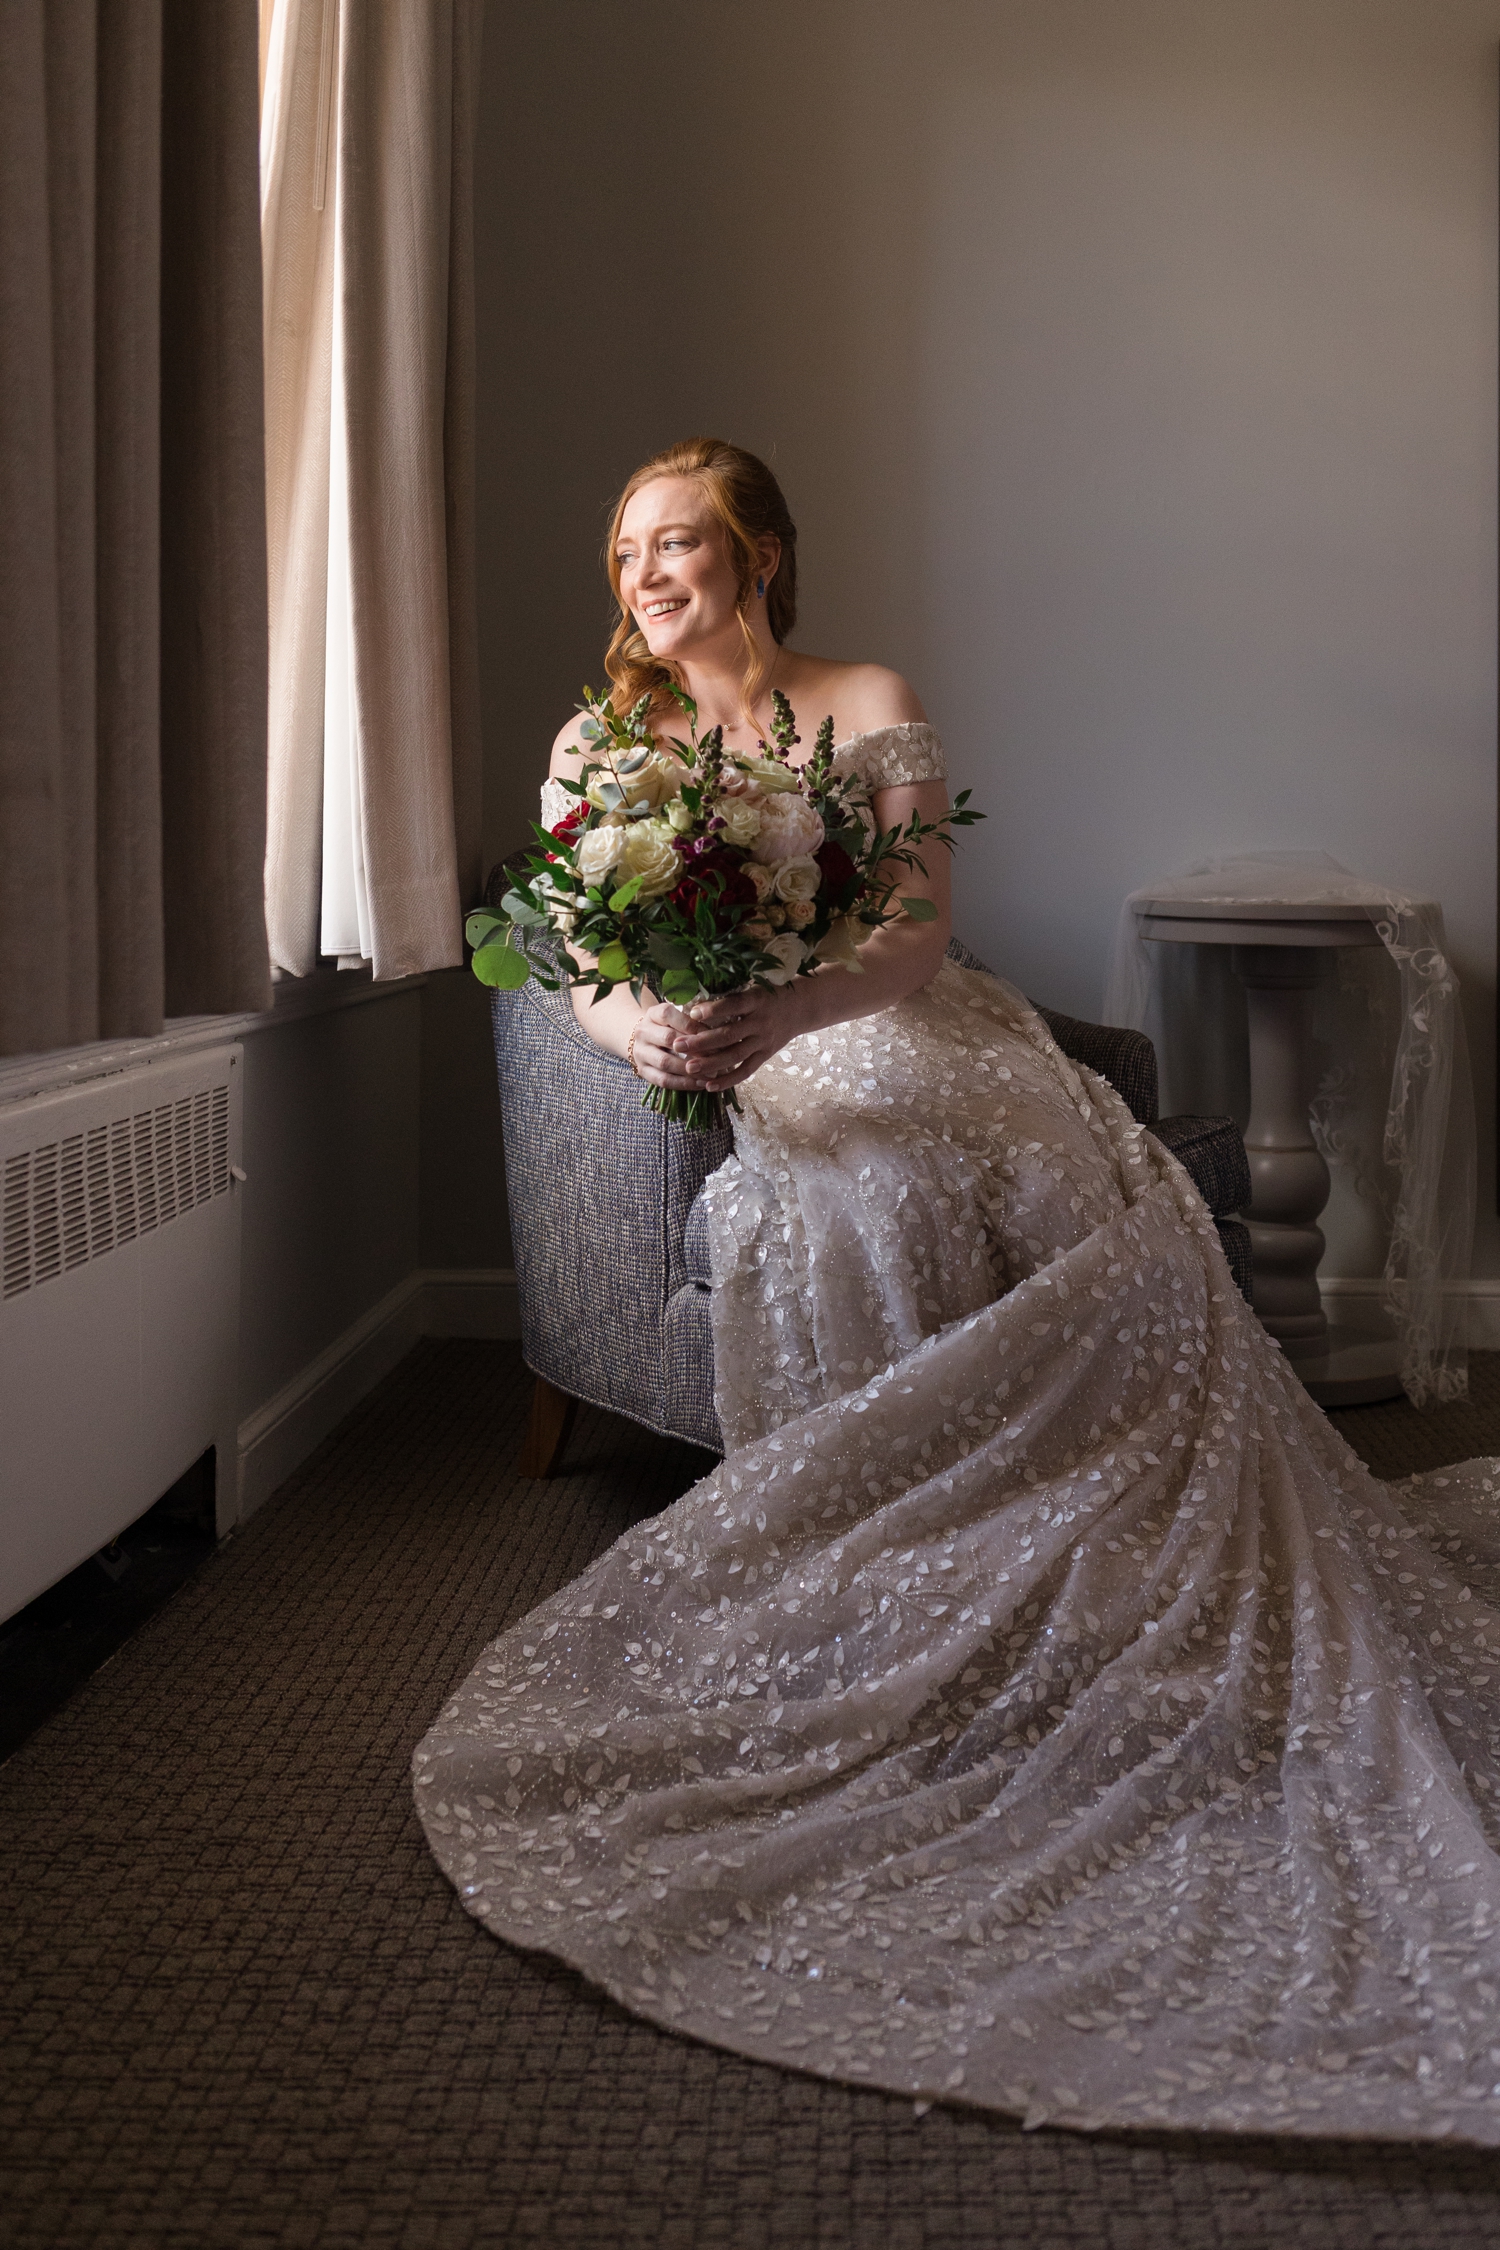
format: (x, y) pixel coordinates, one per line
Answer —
(279, 1436)
(471, 1301)
(1481, 1298)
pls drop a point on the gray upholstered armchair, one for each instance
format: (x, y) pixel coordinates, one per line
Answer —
(621, 1319)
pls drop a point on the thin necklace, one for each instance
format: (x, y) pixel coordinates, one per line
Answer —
(770, 682)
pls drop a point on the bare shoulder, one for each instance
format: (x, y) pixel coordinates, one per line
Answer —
(862, 697)
(567, 750)
(876, 697)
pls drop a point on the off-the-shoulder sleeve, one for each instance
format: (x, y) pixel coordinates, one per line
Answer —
(556, 803)
(895, 757)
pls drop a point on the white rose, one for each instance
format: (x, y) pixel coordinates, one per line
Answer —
(797, 878)
(789, 829)
(652, 782)
(561, 912)
(679, 819)
(756, 928)
(838, 946)
(799, 912)
(598, 851)
(647, 850)
(790, 953)
(761, 877)
(741, 821)
(769, 774)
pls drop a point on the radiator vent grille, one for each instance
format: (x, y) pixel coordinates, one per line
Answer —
(80, 1196)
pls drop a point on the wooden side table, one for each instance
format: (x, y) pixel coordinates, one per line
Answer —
(1277, 952)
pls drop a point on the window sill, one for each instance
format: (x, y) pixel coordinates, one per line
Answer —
(293, 1000)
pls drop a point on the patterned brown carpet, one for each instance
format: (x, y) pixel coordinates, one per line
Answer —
(240, 2006)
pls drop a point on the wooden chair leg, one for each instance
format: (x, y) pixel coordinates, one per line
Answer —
(552, 1414)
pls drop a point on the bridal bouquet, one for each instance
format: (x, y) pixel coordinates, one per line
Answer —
(697, 872)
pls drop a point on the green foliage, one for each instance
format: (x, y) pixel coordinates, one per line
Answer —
(784, 725)
(522, 908)
(658, 944)
(501, 966)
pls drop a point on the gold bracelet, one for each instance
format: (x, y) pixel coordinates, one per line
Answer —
(635, 1032)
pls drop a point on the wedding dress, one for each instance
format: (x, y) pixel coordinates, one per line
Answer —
(1040, 1707)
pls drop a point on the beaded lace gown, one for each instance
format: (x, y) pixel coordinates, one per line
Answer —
(1040, 1707)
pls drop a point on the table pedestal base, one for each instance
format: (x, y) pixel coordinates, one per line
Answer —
(1278, 952)
(1338, 1365)
(1357, 1369)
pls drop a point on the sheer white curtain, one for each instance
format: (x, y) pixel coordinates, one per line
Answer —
(366, 168)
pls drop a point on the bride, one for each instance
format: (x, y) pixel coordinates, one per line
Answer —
(1040, 1707)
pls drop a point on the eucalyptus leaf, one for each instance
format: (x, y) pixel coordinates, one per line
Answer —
(481, 926)
(612, 795)
(501, 967)
(520, 909)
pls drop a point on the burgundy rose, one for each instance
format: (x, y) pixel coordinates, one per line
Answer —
(707, 860)
(838, 871)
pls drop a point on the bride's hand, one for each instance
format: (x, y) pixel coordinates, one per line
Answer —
(723, 1041)
(652, 1049)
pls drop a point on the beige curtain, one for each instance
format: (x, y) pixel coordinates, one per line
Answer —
(132, 522)
(367, 146)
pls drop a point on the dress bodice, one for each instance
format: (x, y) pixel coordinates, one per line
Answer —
(556, 803)
(884, 758)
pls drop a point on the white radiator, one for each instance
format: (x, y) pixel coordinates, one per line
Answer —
(119, 1305)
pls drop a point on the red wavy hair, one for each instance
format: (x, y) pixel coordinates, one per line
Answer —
(747, 502)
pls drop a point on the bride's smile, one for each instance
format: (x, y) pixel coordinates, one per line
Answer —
(679, 584)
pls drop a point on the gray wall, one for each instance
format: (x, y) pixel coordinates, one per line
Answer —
(1131, 370)
(462, 1214)
(331, 1212)
(372, 1149)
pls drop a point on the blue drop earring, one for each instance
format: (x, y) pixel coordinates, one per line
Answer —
(760, 589)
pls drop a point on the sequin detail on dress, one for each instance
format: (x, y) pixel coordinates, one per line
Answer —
(894, 757)
(1040, 1707)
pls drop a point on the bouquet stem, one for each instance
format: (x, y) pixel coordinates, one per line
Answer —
(700, 1113)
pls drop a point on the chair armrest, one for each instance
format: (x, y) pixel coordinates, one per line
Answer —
(599, 1190)
(1126, 1058)
(1211, 1150)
